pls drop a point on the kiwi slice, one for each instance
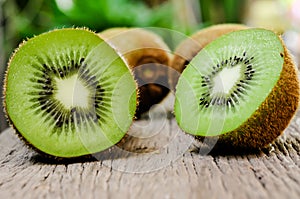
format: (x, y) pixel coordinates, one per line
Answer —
(68, 93)
(189, 47)
(242, 87)
(147, 55)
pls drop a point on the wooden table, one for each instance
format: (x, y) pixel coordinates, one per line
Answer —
(157, 161)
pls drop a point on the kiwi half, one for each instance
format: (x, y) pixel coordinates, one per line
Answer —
(189, 47)
(68, 93)
(242, 88)
(147, 55)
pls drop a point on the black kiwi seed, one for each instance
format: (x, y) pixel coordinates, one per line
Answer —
(236, 92)
(228, 102)
(207, 105)
(249, 67)
(239, 90)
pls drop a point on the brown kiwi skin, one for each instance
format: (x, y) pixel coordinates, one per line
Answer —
(190, 47)
(137, 47)
(271, 118)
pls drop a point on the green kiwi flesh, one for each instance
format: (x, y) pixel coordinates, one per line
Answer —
(242, 87)
(68, 94)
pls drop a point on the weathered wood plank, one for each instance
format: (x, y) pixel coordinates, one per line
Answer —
(160, 165)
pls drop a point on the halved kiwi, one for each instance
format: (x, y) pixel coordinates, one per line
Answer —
(147, 55)
(242, 87)
(68, 93)
(190, 47)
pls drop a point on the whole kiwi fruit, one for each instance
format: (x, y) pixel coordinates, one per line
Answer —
(147, 55)
(68, 93)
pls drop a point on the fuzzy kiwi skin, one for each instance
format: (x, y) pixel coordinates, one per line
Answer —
(190, 47)
(138, 47)
(271, 118)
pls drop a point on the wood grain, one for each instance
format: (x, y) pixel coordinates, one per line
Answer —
(166, 164)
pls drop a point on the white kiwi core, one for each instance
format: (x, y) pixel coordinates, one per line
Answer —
(72, 93)
(225, 80)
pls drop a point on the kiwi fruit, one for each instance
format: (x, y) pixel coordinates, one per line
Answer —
(242, 88)
(68, 93)
(189, 47)
(147, 55)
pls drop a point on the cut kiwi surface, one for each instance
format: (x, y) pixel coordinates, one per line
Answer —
(68, 93)
(242, 87)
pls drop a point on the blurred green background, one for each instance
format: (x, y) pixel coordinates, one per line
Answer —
(21, 19)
